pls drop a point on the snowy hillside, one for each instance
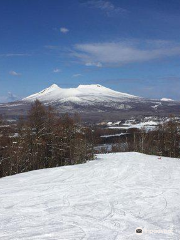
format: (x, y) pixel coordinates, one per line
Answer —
(104, 199)
(82, 94)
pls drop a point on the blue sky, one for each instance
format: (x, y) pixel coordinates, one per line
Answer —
(131, 46)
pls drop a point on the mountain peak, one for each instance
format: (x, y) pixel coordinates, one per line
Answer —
(54, 86)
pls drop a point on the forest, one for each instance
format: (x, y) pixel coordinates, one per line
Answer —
(43, 139)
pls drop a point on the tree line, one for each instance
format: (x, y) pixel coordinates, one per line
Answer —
(164, 140)
(43, 140)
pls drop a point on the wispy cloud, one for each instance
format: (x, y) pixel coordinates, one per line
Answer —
(64, 30)
(174, 79)
(104, 5)
(57, 70)
(10, 97)
(77, 75)
(13, 73)
(14, 55)
(51, 47)
(93, 64)
(124, 52)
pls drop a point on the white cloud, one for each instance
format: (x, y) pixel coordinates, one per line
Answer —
(105, 6)
(77, 75)
(13, 73)
(64, 30)
(57, 70)
(93, 64)
(124, 52)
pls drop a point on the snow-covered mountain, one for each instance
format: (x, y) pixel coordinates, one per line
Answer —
(83, 94)
(104, 199)
(94, 103)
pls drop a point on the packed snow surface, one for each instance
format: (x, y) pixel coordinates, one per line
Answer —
(83, 93)
(105, 199)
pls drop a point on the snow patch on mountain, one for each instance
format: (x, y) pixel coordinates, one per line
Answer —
(167, 100)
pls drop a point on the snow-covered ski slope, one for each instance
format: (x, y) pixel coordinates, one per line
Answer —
(105, 199)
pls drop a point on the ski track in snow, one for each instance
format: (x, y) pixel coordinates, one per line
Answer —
(107, 199)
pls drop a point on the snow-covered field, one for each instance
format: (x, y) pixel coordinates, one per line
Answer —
(147, 125)
(103, 199)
